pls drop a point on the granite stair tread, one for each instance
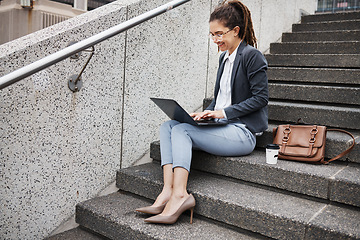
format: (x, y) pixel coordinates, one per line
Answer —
(331, 182)
(315, 75)
(350, 24)
(316, 47)
(315, 93)
(114, 216)
(314, 60)
(331, 16)
(268, 212)
(332, 116)
(330, 36)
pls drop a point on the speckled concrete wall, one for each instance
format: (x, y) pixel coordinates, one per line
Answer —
(59, 148)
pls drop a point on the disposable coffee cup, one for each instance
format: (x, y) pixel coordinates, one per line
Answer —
(272, 151)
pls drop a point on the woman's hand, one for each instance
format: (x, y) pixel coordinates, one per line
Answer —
(207, 114)
(198, 115)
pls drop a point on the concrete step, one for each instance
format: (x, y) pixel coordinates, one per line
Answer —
(331, 17)
(331, 182)
(314, 60)
(327, 26)
(349, 47)
(330, 36)
(114, 216)
(314, 75)
(270, 213)
(76, 234)
(332, 116)
(315, 93)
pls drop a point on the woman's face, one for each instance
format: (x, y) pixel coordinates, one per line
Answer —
(229, 39)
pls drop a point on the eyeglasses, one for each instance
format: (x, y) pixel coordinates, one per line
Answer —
(218, 36)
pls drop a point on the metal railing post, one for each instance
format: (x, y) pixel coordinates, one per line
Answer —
(45, 62)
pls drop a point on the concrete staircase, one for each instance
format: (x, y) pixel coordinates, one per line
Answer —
(314, 75)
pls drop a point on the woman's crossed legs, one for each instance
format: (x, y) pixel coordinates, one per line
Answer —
(176, 143)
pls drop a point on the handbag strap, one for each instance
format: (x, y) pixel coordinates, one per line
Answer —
(347, 150)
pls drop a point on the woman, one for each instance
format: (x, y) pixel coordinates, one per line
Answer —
(240, 98)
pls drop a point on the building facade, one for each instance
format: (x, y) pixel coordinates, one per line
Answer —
(21, 17)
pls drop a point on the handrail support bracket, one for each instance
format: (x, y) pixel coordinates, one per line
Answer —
(74, 81)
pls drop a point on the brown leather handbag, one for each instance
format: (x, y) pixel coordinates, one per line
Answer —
(305, 143)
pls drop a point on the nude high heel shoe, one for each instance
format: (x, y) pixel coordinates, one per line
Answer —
(152, 210)
(189, 204)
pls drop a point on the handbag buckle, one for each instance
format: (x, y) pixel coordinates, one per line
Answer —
(313, 133)
(286, 132)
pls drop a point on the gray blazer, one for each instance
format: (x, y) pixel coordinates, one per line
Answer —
(249, 89)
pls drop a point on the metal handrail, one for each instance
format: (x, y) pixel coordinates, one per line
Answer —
(45, 62)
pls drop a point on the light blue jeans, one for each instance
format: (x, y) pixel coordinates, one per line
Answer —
(178, 139)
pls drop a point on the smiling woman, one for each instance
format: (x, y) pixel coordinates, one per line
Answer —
(240, 101)
(221, 39)
(233, 15)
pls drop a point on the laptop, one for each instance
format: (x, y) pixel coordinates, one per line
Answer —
(175, 112)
